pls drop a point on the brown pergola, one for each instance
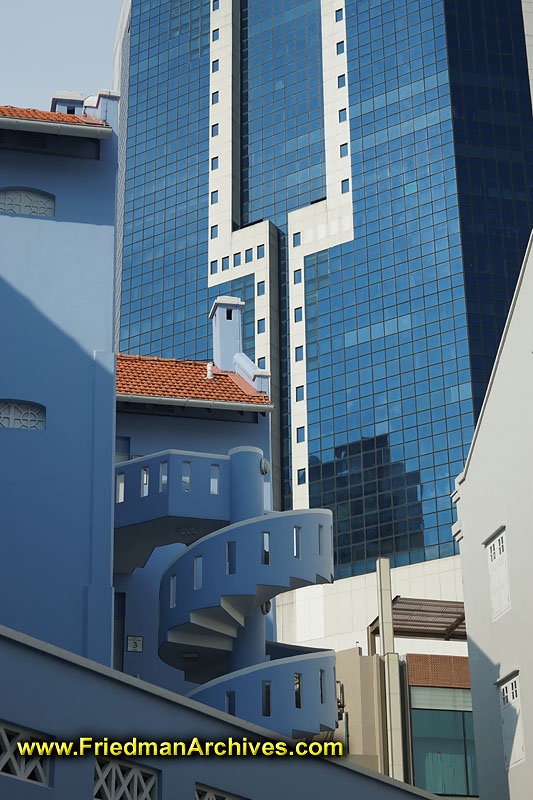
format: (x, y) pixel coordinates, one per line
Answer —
(425, 619)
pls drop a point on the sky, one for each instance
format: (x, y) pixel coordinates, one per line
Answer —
(51, 45)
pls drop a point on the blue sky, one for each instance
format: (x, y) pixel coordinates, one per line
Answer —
(55, 44)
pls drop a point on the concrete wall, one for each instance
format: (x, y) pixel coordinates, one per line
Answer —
(56, 328)
(495, 491)
(337, 616)
(363, 679)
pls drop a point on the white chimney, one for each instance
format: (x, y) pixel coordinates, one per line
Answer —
(226, 314)
(209, 370)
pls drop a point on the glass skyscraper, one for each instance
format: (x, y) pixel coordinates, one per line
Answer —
(358, 172)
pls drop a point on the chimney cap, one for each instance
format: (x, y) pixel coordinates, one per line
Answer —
(225, 301)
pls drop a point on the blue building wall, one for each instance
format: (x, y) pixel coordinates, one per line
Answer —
(108, 704)
(56, 322)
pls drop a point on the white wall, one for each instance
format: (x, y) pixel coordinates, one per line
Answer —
(494, 491)
(337, 615)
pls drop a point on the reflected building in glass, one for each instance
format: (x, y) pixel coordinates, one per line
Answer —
(359, 173)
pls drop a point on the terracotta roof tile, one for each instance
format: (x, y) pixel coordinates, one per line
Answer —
(50, 116)
(168, 377)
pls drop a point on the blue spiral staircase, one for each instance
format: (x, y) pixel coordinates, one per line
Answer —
(214, 598)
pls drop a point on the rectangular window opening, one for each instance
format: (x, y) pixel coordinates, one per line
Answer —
(298, 689)
(145, 477)
(231, 558)
(322, 685)
(186, 476)
(172, 592)
(266, 698)
(198, 572)
(119, 488)
(297, 541)
(163, 476)
(230, 702)
(265, 548)
(214, 479)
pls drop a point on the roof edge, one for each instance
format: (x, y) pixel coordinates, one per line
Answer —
(87, 130)
(194, 402)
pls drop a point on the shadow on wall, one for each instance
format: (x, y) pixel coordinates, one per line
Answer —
(56, 484)
(493, 721)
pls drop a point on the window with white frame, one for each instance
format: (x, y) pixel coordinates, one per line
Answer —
(512, 731)
(500, 596)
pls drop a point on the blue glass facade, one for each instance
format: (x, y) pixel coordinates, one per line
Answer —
(493, 131)
(282, 121)
(390, 333)
(403, 322)
(165, 298)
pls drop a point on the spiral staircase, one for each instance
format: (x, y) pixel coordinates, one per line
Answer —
(214, 599)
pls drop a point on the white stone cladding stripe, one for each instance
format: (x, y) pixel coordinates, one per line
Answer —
(226, 114)
(321, 225)
(226, 180)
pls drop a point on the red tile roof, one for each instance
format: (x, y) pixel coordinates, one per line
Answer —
(49, 116)
(149, 376)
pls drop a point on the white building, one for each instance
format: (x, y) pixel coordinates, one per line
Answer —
(493, 496)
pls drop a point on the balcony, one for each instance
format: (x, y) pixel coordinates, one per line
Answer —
(168, 497)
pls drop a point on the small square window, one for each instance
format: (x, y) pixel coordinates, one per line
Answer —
(214, 197)
(225, 262)
(344, 149)
(299, 353)
(296, 239)
(214, 267)
(261, 326)
(301, 476)
(216, 35)
(342, 115)
(341, 81)
(216, 64)
(260, 251)
(299, 393)
(297, 276)
(300, 434)
(214, 128)
(214, 98)
(261, 362)
(345, 186)
(236, 259)
(216, 4)
(248, 255)
(214, 162)
(261, 288)
(298, 314)
(340, 49)
(214, 231)
(338, 15)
